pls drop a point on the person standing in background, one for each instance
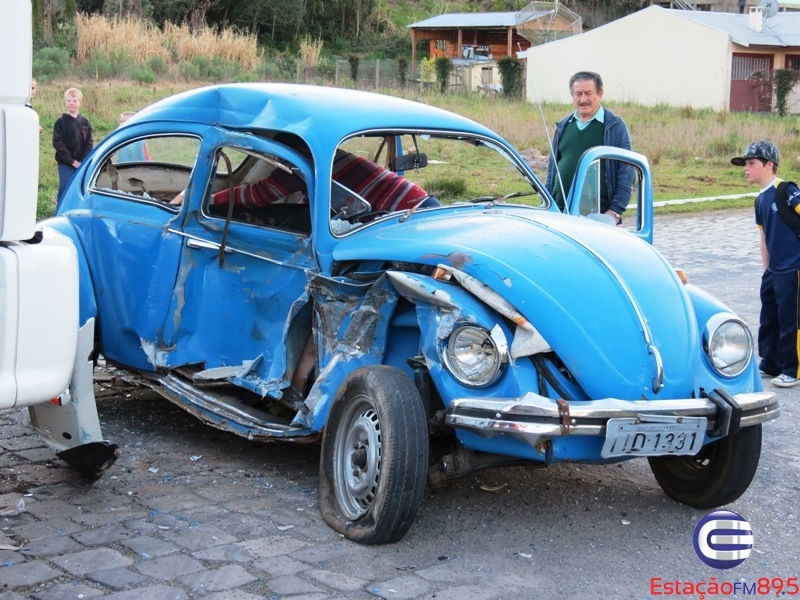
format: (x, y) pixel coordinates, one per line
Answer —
(589, 126)
(29, 102)
(779, 321)
(135, 151)
(72, 140)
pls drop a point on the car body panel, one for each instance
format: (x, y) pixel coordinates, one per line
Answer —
(560, 308)
(258, 316)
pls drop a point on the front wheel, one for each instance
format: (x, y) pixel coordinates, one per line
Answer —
(374, 458)
(717, 475)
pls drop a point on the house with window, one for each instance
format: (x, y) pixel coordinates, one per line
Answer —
(474, 41)
(700, 59)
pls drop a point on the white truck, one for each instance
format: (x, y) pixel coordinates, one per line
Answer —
(46, 360)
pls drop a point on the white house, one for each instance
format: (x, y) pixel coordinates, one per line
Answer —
(723, 61)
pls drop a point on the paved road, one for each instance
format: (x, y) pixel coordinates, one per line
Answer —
(189, 512)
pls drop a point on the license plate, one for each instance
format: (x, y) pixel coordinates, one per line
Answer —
(673, 435)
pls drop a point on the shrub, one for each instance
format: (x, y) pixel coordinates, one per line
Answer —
(402, 70)
(354, 61)
(157, 65)
(444, 66)
(269, 71)
(189, 71)
(143, 75)
(203, 65)
(248, 77)
(784, 80)
(107, 65)
(512, 73)
(428, 67)
(223, 70)
(326, 68)
(50, 63)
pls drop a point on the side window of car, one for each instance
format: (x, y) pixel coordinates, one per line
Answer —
(266, 190)
(150, 169)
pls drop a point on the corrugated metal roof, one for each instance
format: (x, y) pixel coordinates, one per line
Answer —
(482, 19)
(781, 30)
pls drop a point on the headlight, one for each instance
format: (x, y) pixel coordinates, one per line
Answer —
(728, 343)
(474, 357)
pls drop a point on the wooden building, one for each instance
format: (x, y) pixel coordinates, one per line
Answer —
(489, 36)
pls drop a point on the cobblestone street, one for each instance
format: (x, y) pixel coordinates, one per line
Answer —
(192, 512)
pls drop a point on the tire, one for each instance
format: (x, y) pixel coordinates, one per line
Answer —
(374, 458)
(717, 475)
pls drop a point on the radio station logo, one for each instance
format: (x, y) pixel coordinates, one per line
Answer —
(723, 539)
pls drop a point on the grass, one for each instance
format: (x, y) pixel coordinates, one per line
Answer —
(689, 150)
(142, 41)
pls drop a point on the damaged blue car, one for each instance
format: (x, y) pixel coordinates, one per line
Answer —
(393, 281)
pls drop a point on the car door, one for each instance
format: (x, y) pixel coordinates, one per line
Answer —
(240, 304)
(124, 221)
(584, 196)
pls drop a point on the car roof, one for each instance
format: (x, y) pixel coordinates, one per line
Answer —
(302, 109)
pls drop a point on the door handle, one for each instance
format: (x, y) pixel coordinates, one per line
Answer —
(195, 243)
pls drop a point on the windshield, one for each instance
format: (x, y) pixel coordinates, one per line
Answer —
(382, 173)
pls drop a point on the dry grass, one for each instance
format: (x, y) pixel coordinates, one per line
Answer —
(138, 39)
(142, 41)
(229, 46)
(310, 52)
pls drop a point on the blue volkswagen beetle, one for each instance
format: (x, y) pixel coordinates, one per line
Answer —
(392, 280)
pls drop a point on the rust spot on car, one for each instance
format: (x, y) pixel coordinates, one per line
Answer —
(563, 411)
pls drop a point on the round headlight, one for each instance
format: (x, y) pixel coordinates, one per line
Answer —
(473, 356)
(728, 344)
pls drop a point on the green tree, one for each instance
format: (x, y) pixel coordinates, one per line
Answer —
(444, 66)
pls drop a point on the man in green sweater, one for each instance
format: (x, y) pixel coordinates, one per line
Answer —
(590, 125)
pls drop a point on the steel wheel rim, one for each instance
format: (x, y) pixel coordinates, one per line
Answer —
(691, 467)
(357, 456)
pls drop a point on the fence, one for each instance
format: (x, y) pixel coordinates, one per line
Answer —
(386, 74)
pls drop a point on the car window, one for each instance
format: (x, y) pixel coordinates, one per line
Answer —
(377, 174)
(266, 190)
(589, 195)
(151, 169)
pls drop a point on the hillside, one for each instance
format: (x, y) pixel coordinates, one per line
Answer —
(593, 12)
(375, 28)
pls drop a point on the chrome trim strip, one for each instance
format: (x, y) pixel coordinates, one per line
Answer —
(206, 244)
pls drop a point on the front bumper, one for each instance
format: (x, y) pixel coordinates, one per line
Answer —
(536, 419)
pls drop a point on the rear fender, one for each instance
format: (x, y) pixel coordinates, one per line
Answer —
(87, 308)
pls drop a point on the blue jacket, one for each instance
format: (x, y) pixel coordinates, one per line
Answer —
(619, 176)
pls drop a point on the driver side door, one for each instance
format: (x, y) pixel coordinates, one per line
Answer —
(240, 308)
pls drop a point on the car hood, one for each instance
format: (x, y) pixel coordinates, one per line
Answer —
(601, 297)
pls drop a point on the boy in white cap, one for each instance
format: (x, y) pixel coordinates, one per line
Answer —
(780, 256)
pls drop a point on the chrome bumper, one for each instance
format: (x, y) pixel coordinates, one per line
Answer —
(536, 419)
